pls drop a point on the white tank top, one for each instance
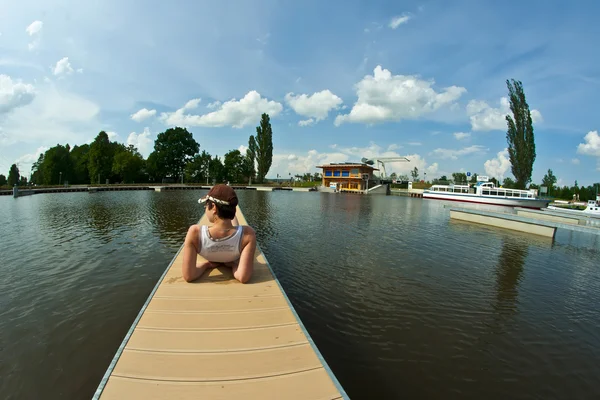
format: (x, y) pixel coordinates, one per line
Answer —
(220, 250)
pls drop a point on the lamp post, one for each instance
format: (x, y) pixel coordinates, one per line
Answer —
(59, 178)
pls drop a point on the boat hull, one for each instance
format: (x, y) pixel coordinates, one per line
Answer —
(583, 213)
(490, 200)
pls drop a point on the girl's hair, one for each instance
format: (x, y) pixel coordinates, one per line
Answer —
(223, 211)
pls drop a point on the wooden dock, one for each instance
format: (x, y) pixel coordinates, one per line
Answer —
(218, 339)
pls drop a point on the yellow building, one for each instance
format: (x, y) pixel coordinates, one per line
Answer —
(347, 176)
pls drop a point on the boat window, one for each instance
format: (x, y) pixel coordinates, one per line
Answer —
(486, 192)
(494, 193)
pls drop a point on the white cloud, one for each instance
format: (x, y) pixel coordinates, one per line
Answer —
(286, 164)
(34, 30)
(14, 94)
(112, 136)
(486, 118)
(234, 113)
(575, 161)
(26, 161)
(415, 144)
(454, 154)
(143, 114)
(63, 67)
(399, 20)
(461, 135)
(385, 97)
(54, 116)
(306, 122)
(142, 142)
(315, 106)
(591, 147)
(498, 166)
(213, 105)
(192, 104)
(393, 147)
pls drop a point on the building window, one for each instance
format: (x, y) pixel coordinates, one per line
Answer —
(336, 173)
(328, 172)
(345, 174)
(354, 172)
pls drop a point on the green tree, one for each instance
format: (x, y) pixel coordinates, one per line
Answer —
(233, 161)
(520, 138)
(473, 178)
(13, 175)
(174, 148)
(459, 178)
(128, 164)
(317, 177)
(56, 167)
(36, 171)
(250, 165)
(264, 147)
(508, 183)
(549, 181)
(80, 157)
(100, 158)
(2, 180)
(153, 168)
(23, 181)
(393, 175)
(415, 173)
(216, 170)
(196, 170)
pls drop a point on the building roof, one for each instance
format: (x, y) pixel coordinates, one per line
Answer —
(348, 164)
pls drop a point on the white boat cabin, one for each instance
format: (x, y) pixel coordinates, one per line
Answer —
(485, 188)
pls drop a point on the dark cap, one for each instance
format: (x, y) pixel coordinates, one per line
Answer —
(221, 194)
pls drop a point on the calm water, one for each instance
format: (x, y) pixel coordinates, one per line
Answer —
(401, 301)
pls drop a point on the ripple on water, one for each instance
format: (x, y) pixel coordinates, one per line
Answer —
(392, 291)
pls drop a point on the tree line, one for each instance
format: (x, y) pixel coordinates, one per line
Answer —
(176, 157)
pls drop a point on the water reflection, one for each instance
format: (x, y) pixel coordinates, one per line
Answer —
(509, 272)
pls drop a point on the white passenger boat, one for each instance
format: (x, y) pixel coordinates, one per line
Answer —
(592, 209)
(484, 192)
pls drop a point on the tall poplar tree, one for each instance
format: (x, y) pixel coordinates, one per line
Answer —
(521, 143)
(264, 147)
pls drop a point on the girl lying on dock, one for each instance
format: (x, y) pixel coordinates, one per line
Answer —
(224, 243)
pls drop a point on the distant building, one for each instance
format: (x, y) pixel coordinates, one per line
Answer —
(346, 176)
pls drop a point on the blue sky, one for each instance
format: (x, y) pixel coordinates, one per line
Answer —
(341, 80)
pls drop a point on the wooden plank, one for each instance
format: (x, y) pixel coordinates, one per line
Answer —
(167, 304)
(216, 341)
(229, 320)
(206, 367)
(313, 384)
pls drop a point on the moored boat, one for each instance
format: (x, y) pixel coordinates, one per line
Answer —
(484, 192)
(592, 209)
